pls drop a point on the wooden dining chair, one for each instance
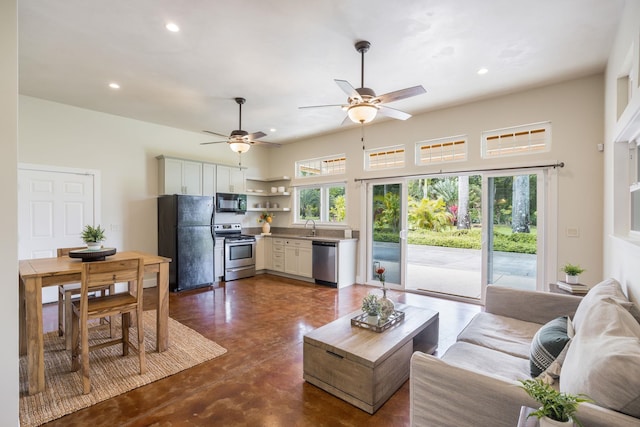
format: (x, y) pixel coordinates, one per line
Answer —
(95, 275)
(66, 292)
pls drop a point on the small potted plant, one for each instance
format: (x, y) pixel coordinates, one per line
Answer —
(371, 306)
(558, 409)
(572, 272)
(93, 236)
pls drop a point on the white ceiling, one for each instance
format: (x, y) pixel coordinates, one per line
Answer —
(283, 54)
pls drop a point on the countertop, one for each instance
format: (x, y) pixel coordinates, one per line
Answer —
(305, 237)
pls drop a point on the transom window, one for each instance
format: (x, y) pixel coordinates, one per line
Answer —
(323, 203)
(441, 150)
(330, 165)
(384, 158)
(526, 139)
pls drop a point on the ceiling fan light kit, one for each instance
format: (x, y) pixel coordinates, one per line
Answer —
(362, 113)
(363, 105)
(239, 147)
(240, 141)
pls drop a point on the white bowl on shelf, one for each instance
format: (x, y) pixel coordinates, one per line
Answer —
(259, 191)
(280, 189)
(274, 189)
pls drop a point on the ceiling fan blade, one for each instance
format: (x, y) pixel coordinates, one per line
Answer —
(212, 142)
(392, 112)
(256, 135)
(321, 106)
(267, 143)
(216, 133)
(401, 94)
(348, 89)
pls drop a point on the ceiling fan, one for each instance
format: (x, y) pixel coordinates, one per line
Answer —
(363, 104)
(240, 141)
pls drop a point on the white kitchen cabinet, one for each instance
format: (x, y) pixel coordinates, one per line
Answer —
(260, 255)
(218, 253)
(277, 252)
(268, 253)
(230, 180)
(298, 258)
(177, 176)
(208, 179)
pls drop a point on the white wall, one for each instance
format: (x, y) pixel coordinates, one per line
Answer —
(9, 392)
(621, 253)
(124, 151)
(576, 111)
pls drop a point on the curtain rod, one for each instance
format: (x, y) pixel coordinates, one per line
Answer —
(552, 165)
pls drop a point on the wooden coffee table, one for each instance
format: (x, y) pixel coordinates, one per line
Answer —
(364, 367)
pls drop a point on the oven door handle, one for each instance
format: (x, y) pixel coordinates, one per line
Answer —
(235, 270)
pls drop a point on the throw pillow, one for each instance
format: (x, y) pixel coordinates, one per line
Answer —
(609, 288)
(547, 344)
(603, 360)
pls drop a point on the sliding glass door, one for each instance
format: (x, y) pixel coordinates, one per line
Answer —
(456, 234)
(386, 221)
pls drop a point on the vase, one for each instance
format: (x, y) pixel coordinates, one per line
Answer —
(572, 279)
(548, 422)
(387, 307)
(94, 246)
(266, 227)
(372, 319)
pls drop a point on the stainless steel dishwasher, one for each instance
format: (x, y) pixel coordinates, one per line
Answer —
(325, 263)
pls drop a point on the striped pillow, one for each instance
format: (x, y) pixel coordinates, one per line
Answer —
(547, 344)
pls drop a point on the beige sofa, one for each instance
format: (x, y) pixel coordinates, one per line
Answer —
(475, 383)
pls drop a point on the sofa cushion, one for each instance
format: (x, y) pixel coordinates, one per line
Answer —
(500, 333)
(609, 288)
(547, 344)
(482, 359)
(603, 360)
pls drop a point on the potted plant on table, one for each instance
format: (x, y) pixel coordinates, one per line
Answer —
(572, 272)
(558, 409)
(93, 236)
(371, 306)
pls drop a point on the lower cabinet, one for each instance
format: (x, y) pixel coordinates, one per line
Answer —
(298, 257)
(218, 254)
(260, 253)
(277, 252)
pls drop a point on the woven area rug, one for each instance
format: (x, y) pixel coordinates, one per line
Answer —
(111, 374)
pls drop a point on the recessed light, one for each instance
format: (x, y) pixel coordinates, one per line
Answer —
(172, 27)
(483, 70)
(114, 85)
(273, 130)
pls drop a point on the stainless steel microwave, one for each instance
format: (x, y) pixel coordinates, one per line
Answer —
(227, 202)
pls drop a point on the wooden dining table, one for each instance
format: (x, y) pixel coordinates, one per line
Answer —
(34, 274)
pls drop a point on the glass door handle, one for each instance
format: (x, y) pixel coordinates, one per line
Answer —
(403, 234)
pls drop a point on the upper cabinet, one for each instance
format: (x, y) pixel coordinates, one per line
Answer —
(208, 179)
(178, 176)
(230, 180)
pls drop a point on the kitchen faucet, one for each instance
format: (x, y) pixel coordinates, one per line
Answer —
(313, 231)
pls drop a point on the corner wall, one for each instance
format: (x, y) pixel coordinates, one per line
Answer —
(575, 109)
(621, 251)
(9, 392)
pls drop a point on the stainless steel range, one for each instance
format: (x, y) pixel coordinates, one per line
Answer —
(239, 251)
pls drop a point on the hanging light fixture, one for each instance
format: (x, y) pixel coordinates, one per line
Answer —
(362, 113)
(239, 147)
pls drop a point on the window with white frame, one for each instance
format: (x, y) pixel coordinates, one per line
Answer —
(441, 150)
(384, 158)
(323, 203)
(329, 165)
(526, 139)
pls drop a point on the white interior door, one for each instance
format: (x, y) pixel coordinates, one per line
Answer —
(53, 207)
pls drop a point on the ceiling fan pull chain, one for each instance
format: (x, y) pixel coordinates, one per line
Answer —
(362, 135)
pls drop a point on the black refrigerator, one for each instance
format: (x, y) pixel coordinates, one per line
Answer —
(185, 234)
